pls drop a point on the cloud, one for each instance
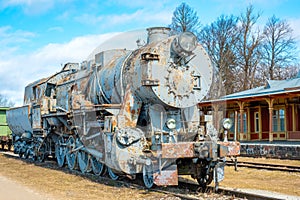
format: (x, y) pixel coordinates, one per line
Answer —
(295, 25)
(56, 29)
(141, 18)
(154, 4)
(33, 7)
(110, 20)
(9, 36)
(30, 7)
(90, 19)
(17, 71)
(64, 15)
(10, 40)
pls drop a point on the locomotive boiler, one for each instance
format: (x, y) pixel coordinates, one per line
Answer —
(127, 112)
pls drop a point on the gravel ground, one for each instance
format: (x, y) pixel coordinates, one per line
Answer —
(275, 181)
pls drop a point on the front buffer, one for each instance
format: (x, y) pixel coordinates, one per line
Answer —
(204, 160)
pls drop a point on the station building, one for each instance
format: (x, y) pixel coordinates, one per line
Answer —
(267, 118)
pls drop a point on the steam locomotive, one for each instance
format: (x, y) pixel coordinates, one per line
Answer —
(127, 112)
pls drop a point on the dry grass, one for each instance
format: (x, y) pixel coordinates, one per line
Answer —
(270, 161)
(282, 182)
(62, 185)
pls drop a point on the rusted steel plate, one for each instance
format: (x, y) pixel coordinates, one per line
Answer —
(167, 177)
(229, 149)
(130, 108)
(18, 120)
(178, 150)
(36, 118)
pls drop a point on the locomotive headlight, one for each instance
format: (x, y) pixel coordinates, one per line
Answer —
(171, 124)
(227, 123)
(184, 44)
(187, 41)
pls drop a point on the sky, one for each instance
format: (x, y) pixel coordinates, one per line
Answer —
(38, 36)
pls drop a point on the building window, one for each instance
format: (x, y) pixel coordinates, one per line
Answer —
(256, 121)
(231, 116)
(244, 123)
(278, 120)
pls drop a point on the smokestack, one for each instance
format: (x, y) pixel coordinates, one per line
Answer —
(157, 33)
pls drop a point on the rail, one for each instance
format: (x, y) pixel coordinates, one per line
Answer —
(265, 166)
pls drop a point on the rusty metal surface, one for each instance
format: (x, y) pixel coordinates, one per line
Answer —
(36, 118)
(18, 120)
(230, 148)
(130, 109)
(178, 150)
(166, 177)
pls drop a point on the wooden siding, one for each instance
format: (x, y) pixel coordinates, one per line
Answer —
(294, 135)
(265, 119)
(289, 118)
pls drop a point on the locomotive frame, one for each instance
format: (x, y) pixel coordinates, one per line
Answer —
(127, 112)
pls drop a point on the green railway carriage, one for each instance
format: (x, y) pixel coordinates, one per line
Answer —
(5, 132)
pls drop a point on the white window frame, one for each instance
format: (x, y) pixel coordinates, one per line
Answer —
(256, 122)
(276, 116)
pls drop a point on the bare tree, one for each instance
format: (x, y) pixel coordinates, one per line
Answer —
(185, 19)
(218, 39)
(278, 49)
(248, 47)
(4, 102)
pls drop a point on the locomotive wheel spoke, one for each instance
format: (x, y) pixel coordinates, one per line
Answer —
(148, 176)
(98, 168)
(71, 156)
(60, 152)
(83, 161)
(111, 174)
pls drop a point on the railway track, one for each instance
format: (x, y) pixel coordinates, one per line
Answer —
(266, 166)
(186, 189)
(234, 193)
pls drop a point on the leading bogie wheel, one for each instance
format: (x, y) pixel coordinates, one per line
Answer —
(206, 178)
(148, 176)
